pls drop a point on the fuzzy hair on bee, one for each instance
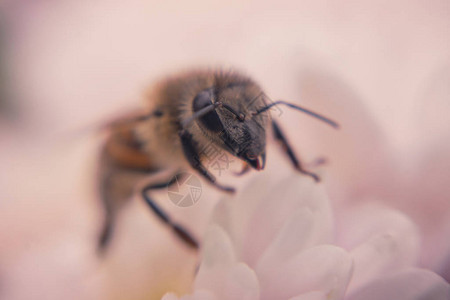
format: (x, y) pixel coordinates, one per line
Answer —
(183, 114)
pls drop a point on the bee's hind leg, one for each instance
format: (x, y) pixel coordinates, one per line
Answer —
(116, 192)
(279, 136)
(106, 232)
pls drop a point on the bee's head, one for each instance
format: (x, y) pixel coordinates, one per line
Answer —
(233, 124)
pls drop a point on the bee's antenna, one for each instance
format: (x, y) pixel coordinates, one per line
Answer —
(200, 113)
(239, 116)
(307, 111)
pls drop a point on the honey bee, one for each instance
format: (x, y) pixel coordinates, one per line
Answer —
(184, 113)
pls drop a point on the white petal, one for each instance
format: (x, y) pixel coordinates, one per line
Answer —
(425, 198)
(382, 254)
(241, 283)
(218, 256)
(412, 284)
(281, 200)
(217, 249)
(170, 296)
(367, 220)
(323, 268)
(360, 159)
(235, 281)
(204, 295)
(198, 295)
(219, 272)
(317, 295)
(297, 234)
(233, 213)
(389, 241)
(433, 109)
(231, 282)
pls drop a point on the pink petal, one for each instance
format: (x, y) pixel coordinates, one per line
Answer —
(425, 199)
(170, 296)
(360, 160)
(232, 213)
(298, 232)
(281, 200)
(411, 284)
(220, 273)
(323, 268)
(317, 295)
(217, 250)
(359, 224)
(382, 241)
(197, 295)
(433, 108)
(242, 284)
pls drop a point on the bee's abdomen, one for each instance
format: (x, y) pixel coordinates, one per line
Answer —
(127, 152)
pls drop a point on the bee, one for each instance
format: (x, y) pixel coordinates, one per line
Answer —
(184, 113)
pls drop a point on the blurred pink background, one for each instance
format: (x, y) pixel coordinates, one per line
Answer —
(381, 68)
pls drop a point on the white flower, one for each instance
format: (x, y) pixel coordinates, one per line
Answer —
(276, 240)
(366, 165)
(74, 63)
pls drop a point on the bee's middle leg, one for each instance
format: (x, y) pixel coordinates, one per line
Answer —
(179, 230)
(117, 193)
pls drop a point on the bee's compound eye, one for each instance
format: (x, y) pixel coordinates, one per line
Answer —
(211, 120)
(202, 100)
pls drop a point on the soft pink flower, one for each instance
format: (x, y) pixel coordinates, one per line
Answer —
(381, 68)
(277, 240)
(367, 165)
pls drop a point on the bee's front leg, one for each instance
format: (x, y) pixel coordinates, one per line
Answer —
(193, 157)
